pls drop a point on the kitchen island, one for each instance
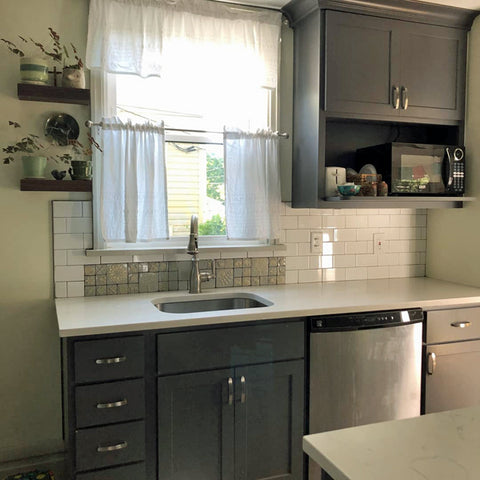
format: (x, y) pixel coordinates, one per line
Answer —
(438, 446)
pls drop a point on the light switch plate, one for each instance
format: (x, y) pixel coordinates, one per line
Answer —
(379, 243)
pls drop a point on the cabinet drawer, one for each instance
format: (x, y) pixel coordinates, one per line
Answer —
(108, 359)
(225, 347)
(111, 445)
(109, 403)
(127, 472)
(446, 325)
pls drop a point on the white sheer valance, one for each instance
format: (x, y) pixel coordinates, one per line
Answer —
(252, 185)
(132, 183)
(171, 38)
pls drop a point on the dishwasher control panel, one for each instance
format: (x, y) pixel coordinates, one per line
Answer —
(357, 321)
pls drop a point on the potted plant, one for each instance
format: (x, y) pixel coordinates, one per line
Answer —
(80, 158)
(33, 161)
(34, 69)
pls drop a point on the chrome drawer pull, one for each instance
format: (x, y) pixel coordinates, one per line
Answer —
(461, 324)
(230, 391)
(243, 395)
(109, 361)
(395, 97)
(112, 448)
(120, 403)
(431, 363)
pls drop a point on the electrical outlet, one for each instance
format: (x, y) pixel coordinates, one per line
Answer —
(379, 243)
(316, 242)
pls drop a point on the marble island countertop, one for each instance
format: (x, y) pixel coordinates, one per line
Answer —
(126, 313)
(438, 446)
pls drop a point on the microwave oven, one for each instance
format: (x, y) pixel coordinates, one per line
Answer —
(417, 169)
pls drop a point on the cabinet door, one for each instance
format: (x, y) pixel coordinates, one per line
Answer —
(454, 381)
(360, 72)
(195, 426)
(269, 421)
(432, 65)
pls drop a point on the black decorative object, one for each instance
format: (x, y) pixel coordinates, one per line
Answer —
(59, 175)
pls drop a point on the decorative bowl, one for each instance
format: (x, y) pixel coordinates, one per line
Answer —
(348, 190)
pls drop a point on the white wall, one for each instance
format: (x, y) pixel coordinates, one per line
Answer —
(30, 398)
(453, 248)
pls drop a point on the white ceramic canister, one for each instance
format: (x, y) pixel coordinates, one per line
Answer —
(334, 176)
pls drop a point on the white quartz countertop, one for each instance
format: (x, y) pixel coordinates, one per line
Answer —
(126, 313)
(438, 446)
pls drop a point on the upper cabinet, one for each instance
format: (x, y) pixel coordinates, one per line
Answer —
(377, 66)
(367, 73)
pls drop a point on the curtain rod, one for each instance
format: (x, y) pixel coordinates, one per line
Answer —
(90, 124)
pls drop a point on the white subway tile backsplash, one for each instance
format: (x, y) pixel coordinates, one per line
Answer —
(79, 225)
(67, 209)
(65, 241)
(347, 244)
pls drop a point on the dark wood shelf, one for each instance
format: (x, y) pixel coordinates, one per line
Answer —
(46, 93)
(44, 185)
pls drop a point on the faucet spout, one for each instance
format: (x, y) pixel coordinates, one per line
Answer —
(196, 276)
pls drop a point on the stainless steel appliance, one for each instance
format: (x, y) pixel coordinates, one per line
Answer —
(364, 368)
(418, 169)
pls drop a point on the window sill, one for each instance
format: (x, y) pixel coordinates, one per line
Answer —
(176, 250)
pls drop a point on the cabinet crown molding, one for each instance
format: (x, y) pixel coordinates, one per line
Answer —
(409, 10)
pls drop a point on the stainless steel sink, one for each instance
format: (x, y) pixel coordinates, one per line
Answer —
(211, 304)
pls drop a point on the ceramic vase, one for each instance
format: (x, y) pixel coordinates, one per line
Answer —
(34, 166)
(73, 77)
(34, 70)
(80, 170)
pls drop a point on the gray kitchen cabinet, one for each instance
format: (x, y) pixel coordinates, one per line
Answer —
(244, 422)
(211, 403)
(452, 359)
(378, 66)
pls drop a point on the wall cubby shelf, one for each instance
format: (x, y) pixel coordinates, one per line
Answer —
(46, 93)
(394, 202)
(44, 185)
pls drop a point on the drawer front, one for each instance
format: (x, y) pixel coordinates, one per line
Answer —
(127, 472)
(453, 325)
(225, 347)
(110, 445)
(106, 403)
(108, 359)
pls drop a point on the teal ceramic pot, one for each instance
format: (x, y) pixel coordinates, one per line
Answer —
(80, 170)
(34, 166)
(34, 70)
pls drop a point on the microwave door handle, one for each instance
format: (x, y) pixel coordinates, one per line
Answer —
(450, 167)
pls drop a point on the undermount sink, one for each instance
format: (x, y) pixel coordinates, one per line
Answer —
(224, 302)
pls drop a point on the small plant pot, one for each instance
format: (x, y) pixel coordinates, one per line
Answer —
(34, 70)
(34, 166)
(73, 78)
(80, 170)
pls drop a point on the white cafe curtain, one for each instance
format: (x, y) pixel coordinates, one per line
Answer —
(252, 185)
(177, 37)
(132, 184)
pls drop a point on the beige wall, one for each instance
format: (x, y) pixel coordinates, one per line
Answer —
(453, 247)
(30, 397)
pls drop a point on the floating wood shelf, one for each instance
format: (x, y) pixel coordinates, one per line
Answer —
(44, 185)
(394, 202)
(46, 93)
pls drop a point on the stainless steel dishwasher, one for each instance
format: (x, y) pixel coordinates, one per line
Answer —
(364, 368)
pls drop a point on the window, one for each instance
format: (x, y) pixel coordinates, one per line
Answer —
(198, 66)
(195, 167)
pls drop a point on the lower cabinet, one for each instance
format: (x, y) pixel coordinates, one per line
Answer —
(452, 359)
(240, 423)
(222, 403)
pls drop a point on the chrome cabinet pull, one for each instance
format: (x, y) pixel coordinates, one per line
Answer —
(112, 448)
(111, 360)
(461, 324)
(431, 363)
(243, 394)
(404, 96)
(230, 390)
(395, 97)
(120, 403)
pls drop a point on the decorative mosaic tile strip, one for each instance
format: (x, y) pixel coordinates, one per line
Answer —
(124, 278)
